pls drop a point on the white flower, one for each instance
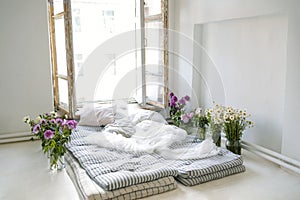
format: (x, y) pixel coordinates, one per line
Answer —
(53, 113)
(38, 119)
(231, 117)
(198, 111)
(226, 116)
(26, 119)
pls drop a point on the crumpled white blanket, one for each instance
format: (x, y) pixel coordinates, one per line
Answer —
(151, 136)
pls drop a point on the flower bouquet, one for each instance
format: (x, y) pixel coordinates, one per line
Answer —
(54, 132)
(186, 122)
(177, 108)
(215, 116)
(200, 121)
(235, 122)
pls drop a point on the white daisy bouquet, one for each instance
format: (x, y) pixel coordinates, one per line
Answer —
(215, 116)
(235, 122)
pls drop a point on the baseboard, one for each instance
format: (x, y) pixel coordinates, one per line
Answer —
(284, 162)
(15, 137)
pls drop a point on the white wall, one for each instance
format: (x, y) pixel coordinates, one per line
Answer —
(273, 96)
(25, 83)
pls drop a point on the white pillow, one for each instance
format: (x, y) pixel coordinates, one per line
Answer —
(142, 115)
(91, 115)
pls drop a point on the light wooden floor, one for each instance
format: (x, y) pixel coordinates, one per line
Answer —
(24, 174)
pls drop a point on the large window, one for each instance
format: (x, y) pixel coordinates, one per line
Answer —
(89, 63)
(156, 57)
(62, 60)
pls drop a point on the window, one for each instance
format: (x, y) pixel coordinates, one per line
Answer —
(156, 57)
(60, 28)
(75, 35)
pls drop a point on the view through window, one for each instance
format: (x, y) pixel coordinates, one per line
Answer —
(94, 27)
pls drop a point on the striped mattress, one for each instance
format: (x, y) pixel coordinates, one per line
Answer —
(90, 190)
(193, 172)
(102, 173)
(112, 169)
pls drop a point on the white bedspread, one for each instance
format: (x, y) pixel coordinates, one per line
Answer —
(151, 136)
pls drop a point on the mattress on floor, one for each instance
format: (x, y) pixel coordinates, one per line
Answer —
(112, 169)
(89, 189)
(193, 172)
(211, 176)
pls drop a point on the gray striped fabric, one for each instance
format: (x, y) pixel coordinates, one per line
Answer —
(194, 168)
(211, 176)
(89, 190)
(113, 169)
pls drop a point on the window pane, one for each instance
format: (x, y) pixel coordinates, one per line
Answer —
(63, 92)
(94, 23)
(154, 61)
(58, 6)
(60, 46)
(152, 7)
(120, 79)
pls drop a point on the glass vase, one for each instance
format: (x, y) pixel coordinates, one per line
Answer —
(187, 127)
(202, 133)
(234, 146)
(57, 163)
(215, 130)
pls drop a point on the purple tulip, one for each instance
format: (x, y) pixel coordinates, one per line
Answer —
(174, 98)
(48, 134)
(187, 98)
(36, 129)
(172, 103)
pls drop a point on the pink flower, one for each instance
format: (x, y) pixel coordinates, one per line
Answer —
(48, 134)
(36, 129)
(58, 121)
(191, 115)
(71, 124)
(182, 101)
(43, 122)
(185, 118)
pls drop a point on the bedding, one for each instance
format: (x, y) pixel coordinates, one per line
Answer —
(89, 189)
(154, 137)
(193, 172)
(123, 155)
(113, 169)
(96, 115)
(211, 176)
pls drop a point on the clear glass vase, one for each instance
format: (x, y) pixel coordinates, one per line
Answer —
(202, 133)
(215, 130)
(234, 146)
(188, 127)
(57, 163)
